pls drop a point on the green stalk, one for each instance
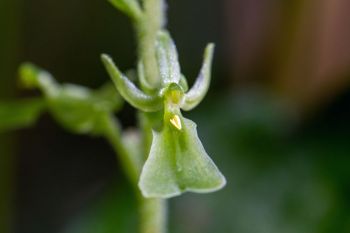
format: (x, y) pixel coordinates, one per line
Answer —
(148, 21)
(153, 215)
(147, 28)
(114, 137)
(153, 212)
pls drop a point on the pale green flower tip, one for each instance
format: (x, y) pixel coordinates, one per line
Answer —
(33, 77)
(209, 53)
(109, 64)
(29, 75)
(106, 59)
(113, 71)
(209, 49)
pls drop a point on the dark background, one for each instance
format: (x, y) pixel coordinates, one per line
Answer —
(276, 119)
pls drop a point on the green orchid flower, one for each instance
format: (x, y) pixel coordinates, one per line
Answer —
(177, 160)
(77, 108)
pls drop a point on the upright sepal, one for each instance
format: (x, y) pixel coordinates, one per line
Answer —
(129, 91)
(178, 162)
(200, 88)
(167, 57)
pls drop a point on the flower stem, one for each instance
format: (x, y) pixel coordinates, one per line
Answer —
(153, 215)
(147, 28)
(153, 212)
(114, 137)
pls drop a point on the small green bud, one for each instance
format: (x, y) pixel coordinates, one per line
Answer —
(34, 77)
(77, 108)
(28, 74)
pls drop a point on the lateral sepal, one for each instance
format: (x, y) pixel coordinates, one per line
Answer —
(127, 89)
(200, 88)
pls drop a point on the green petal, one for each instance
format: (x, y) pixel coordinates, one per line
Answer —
(167, 57)
(178, 163)
(200, 88)
(133, 95)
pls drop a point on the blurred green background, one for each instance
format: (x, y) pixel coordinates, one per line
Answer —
(276, 119)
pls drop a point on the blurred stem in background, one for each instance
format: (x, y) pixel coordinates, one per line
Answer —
(9, 25)
(152, 211)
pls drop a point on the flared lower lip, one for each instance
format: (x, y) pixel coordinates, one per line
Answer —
(186, 190)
